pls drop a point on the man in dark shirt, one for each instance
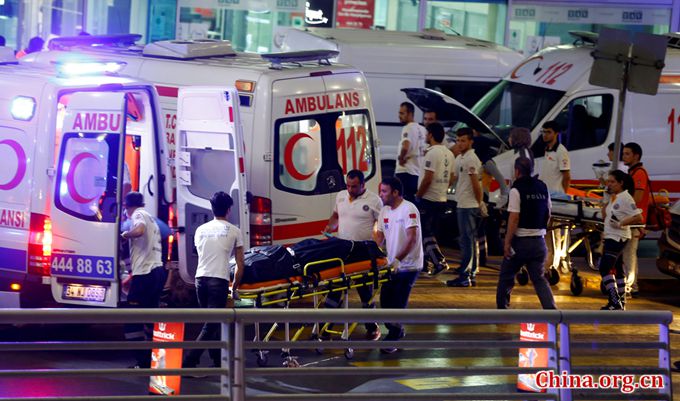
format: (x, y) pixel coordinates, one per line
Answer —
(529, 209)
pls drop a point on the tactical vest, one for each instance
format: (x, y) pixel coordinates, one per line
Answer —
(534, 212)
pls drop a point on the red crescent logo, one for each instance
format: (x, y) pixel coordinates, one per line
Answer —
(288, 157)
(21, 166)
(70, 178)
(514, 75)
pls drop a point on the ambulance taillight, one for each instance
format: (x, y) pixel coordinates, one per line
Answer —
(260, 221)
(40, 245)
(172, 238)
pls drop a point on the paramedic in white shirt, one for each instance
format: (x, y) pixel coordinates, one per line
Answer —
(215, 243)
(354, 216)
(410, 152)
(619, 214)
(148, 273)
(433, 184)
(399, 227)
(467, 173)
(555, 169)
(555, 174)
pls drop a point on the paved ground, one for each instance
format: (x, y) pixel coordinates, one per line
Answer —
(658, 292)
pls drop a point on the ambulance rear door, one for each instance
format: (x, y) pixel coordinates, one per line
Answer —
(86, 202)
(209, 158)
(322, 129)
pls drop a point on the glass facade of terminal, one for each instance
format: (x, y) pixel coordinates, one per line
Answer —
(252, 25)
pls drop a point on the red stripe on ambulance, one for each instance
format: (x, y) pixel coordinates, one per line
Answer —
(167, 91)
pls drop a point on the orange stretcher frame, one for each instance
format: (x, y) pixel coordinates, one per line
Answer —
(315, 283)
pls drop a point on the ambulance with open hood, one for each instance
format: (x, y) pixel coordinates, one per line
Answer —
(306, 122)
(553, 85)
(74, 137)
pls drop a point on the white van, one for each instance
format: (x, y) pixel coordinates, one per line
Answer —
(305, 122)
(73, 138)
(460, 67)
(553, 85)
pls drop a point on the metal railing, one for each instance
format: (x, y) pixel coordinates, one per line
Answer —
(234, 346)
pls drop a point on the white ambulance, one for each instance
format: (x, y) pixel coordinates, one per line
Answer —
(74, 137)
(553, 85)
(306, 122)
(461, 67)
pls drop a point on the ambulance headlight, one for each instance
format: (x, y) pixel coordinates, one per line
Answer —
(73, 69)
(23, 108)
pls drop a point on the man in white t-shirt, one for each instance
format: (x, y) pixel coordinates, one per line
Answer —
(411, 151)
(434, 182)
(469, 201)
(555, 174)
(148, 274)
(354, 216)
(555, 169)
(399, 227)
(215, 243)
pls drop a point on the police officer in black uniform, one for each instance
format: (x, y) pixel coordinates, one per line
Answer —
(529, 209)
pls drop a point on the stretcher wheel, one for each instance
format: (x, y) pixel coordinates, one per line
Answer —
(523, 277)
(553, 277)
(349, 353)
(603, 289)
(315, 337)
(576, 285)
(262, 359)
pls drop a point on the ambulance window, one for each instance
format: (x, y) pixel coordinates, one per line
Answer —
(584, 123)
(87, 176)
(354, 143)
(220, 157)
(299, 154)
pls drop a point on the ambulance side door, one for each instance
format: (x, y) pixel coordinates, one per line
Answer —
(86, 202)
(209, 158)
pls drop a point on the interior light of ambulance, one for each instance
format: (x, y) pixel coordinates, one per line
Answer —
(23, 108)
(15, 287)
(89, 68)
(245, 86)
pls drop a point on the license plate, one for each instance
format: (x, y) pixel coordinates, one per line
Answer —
(84, 293)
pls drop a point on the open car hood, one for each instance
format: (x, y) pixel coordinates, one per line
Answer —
(448, 110)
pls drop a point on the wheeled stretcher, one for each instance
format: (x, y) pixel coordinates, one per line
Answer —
(573, 221)
(318, 280)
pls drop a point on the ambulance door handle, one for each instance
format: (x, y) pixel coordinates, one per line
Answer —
(148, 185)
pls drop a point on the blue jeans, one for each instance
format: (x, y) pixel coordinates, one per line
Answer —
(529, 252)
(394, 295)
(212, 292)
(468, 220)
